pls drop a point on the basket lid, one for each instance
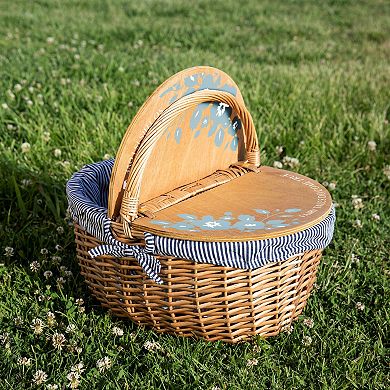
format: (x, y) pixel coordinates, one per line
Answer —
(195, 132)
(266, 204)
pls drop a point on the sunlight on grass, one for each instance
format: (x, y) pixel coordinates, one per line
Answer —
(315, 77)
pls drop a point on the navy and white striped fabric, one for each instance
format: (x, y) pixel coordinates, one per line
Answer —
(87, 193)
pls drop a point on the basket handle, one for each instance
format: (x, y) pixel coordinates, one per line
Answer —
(130, 200)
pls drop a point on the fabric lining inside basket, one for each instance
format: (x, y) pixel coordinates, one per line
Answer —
(87, 193)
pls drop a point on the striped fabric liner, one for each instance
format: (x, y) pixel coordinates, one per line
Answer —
(87, 193)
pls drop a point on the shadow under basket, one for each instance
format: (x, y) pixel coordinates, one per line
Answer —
(201, 300)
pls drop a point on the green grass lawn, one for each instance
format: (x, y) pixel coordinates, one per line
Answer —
(316, 78)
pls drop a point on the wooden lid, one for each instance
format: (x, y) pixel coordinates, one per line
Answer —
(255, 206)
(200, 131)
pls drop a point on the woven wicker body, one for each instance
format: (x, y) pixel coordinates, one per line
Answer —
(201, 300)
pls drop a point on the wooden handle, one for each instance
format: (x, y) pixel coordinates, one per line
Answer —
(130, 200)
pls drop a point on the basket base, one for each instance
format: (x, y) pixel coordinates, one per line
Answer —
(201, 300)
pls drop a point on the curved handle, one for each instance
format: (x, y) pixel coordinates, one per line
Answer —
(130, 200)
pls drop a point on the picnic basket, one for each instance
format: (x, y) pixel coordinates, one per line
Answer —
(186, 232)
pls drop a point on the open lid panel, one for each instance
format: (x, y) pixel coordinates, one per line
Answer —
(199, 139)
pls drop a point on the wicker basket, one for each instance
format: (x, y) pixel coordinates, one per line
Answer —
(196, 299)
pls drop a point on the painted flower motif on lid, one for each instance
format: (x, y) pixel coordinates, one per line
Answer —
(261, 220)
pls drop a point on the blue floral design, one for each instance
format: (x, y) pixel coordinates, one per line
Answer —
(244, 222)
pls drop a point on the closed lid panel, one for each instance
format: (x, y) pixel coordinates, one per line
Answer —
(262, 205)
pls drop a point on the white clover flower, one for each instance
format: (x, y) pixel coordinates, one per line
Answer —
(71, 328)
(11, 94)
(358, 224)
(26, 147)
(60, 230)
(29, 102)
(386, 171)
(68, 273)
(60, 281)
(292, 162)
(289, 329)
(80, 301)
(8, 251)
(26, 182)
(37, 325)
(51, 319)
(39, 377)
(74, 380)
(360, 306)
(152, 346)
(355, 259)
(100, 47)
(308, 322)
(48, 274)
(17, 87)
(35, 266)
(357, 202)
(78, 368)
(11, 126)
(138, 44)
(46, 136)
(130, 104)
(376, 217)
(252, 362)
(279, 150)
(58, 340)
(24, 361)
(44, 251)
(77, 57)
(136, 83)
(65, 163)
(30, 89)
(18, 321)
(50, 40)
(277, 164)
(307, 340)
(81, 309)
(56, 259)
(121, 69)
(104, 364)
(5, 106)
(106, 156)
(371, 146)
(116, 331)
(332, 186)
(52, 387)
(4, 338)
(57, 153)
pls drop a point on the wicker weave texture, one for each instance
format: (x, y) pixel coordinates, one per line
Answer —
(201, 300)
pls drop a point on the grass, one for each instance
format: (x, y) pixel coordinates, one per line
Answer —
(316, 78)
